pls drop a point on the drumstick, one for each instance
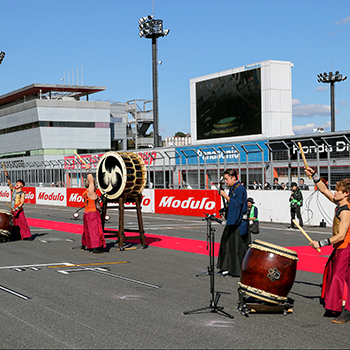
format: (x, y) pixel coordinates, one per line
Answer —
(80, 158)
(304, 233)
(10, 207)
(303, 155)
(4, 166)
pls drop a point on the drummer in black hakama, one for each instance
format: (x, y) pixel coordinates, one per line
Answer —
(236, 237)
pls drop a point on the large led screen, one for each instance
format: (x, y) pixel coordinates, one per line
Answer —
(229, 105)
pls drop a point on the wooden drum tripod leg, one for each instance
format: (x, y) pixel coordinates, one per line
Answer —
(103, 214)
(138, 201)
(121, 234)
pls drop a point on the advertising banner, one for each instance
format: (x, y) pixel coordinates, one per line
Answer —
(75, 197)
(147, 204)
(5, 194)
(187, 202)
(30, 195)
(209, 155)
(51, 196)
(317, 144)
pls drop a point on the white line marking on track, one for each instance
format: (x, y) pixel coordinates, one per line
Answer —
(30, 266)
(14, 293)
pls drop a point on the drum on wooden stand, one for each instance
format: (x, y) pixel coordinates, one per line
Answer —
(6, 224)
(121, 178)
(268, 272)
(121, 173)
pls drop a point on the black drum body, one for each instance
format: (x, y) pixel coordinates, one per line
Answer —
(121, 173)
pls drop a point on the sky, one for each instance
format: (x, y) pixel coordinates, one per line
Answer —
(44, 41)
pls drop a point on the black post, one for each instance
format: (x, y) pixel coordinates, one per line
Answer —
(332, 107)
(155, 91)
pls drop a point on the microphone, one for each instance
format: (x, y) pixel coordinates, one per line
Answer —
(212, 217)
(221, 222)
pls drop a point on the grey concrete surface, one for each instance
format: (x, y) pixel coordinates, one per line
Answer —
(136, 298)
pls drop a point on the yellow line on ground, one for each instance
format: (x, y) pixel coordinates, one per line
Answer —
(72, 265)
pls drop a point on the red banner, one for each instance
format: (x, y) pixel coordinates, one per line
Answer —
(187, 202)
(75, 197)
(30, 195)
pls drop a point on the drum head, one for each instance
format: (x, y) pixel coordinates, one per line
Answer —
(121, 173)
(111, 175)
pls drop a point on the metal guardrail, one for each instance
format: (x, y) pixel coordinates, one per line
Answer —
(202, 167)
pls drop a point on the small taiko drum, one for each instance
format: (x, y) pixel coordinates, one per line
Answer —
(6, 221)
(268, 272)
(121, 173)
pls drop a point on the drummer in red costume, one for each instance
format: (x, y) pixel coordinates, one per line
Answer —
(19, 219)
(92, 238)
(336, 277)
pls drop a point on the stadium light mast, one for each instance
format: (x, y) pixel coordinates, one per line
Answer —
(151, 28)
(2, 55)
(330, 78)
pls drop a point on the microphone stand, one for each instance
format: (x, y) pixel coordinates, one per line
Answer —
(213, 304)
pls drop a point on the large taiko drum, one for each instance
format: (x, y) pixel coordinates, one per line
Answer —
(268, 272)
(6, 221)
(121, 173)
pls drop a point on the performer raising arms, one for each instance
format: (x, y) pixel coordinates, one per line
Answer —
(19, 219)
(337, 270)
(92, 237)
(235, 239)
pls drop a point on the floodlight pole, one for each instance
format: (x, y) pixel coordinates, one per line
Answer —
(155, 92)
(332, 107)
(151, 28)
(331, 79)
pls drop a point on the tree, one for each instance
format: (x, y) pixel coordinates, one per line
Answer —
(180, 134)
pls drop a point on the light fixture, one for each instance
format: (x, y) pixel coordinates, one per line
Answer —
(2, 55)
(331, 78)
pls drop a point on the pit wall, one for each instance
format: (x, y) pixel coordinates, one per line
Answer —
(273, 206)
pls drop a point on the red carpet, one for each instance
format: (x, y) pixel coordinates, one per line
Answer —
(309, 259)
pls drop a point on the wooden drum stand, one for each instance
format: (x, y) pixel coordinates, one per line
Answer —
(125, 198)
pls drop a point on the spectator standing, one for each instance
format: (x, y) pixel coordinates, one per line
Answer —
(296, 202)
(303, 185)
(276, 185)
(252, 216)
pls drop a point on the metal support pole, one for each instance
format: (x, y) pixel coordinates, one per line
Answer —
(155, 92)
(332, 107)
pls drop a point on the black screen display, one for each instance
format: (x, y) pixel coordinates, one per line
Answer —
(229, 105)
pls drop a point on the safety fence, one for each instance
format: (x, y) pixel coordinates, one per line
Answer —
(201, 167)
